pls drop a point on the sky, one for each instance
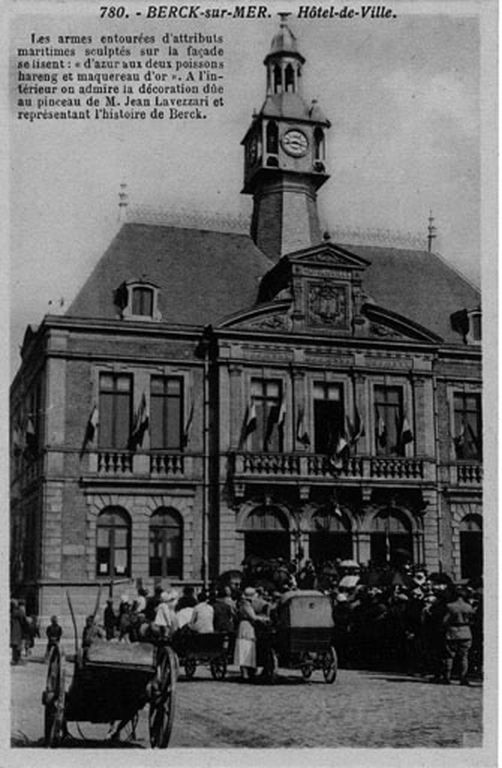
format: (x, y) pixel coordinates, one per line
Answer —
(402, 96)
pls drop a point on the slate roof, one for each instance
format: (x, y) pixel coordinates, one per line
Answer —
(205, 276)
(202, 275)
(419, 285)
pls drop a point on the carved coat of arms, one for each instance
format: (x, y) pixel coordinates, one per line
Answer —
(327, 305)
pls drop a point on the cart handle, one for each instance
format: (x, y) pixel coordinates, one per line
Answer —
(74, 621)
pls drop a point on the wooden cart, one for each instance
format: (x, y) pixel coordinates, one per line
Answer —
(111, 683)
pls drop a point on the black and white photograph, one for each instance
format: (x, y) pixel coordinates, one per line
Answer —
(252, 455)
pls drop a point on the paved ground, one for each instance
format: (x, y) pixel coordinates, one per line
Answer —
(361, 709)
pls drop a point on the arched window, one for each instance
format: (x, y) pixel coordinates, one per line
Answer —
(319, 144)
(471, 547)
(113, 543)
(330, 536)
(272, 138)
(277, 79)
(391, 538)
(289, 79)
(266, 534)
(166, 543)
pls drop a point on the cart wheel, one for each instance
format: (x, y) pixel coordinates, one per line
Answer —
(271, 665)
(218, 667)
(330, 665)
(190, 667)
(307, 670)
(161, 713)
(53, 698)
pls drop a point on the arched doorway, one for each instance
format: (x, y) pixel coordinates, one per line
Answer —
(266, 534)
(471, 547)
(330, 537)
(391, 539)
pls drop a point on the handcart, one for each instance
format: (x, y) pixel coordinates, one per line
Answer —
(301, 636)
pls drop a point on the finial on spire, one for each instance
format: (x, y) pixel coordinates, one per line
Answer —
(123, 202)
(284, 17)
(432, 232)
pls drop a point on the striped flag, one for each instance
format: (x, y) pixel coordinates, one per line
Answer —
(381, 431)
(249, 425)
(301, 433)
(188, 424)
(406, 435)
(141, 424)
(90, 429)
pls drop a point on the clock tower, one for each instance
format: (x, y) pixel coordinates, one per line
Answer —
(285, 155)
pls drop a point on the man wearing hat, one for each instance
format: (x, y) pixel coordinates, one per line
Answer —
(165, 616)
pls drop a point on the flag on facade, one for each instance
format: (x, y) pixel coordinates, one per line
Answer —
(30, 436)
(381, 432)
(141, 423)
(359, 430)
(188, 424)
(17, 439)
(406, 435)
(281, 416)
(459, 442)
(90, 429)
(301, 433)
(249, 425)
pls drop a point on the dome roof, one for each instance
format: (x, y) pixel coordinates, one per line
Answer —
(284, 41)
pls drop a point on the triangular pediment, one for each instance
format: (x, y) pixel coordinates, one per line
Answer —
(328, 254)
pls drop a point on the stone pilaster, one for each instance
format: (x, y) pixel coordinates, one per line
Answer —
(236, 405)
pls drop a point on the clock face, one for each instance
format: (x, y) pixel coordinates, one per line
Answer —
(295, 143)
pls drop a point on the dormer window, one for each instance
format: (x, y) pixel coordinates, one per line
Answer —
(138, 300)
(142, 301)
(467, 322)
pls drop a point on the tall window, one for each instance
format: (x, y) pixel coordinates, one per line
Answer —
(388, 420)
(468, 434)
(166, 543)
(328, 416)
(272, 138)
(166, 410)
(142, 301)
(113, 543)
(319, 144)
(289, 79)
(267, 396)
(115, 410)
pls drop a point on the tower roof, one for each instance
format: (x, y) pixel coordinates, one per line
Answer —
(284, 42)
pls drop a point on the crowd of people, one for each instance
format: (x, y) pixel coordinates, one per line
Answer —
(385, 617)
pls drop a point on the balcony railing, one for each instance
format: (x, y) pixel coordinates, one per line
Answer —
(153, 464)
(115, 462)
(469, 474)
(310, 467)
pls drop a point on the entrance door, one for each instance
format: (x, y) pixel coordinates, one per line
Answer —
(267, 545)
(266, 534)
(471, 547)
(328, 546)
(391, 539)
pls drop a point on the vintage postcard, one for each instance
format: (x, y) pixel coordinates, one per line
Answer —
(252, 506)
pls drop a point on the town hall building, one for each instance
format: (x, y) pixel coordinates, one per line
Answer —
(211, 395)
